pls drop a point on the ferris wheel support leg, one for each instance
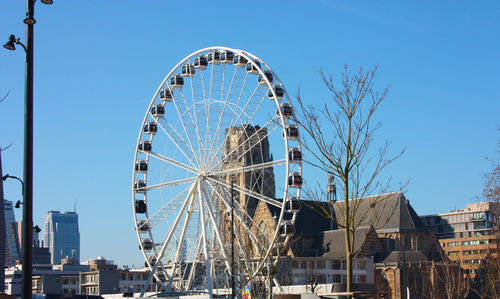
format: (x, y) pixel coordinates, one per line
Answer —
(167, 240)
(205, 249)
(181, 243)
(192, 271)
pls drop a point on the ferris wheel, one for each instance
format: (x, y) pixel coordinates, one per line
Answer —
(217, 173)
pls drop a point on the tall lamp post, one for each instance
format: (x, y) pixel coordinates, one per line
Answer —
(27, 230)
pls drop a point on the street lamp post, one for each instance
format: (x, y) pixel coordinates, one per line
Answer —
(27, 230)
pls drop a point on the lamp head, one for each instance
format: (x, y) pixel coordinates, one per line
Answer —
(10, 45)
(48, 2)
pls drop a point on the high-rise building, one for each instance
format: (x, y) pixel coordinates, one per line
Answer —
(11, 242)
(466, 234)
(61, 236)
(19, 230)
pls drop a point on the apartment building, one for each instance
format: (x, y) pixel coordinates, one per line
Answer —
(466, 235)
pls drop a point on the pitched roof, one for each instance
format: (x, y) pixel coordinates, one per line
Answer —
(399, 257)
(333, 242)
(307, 221)
(389, 212)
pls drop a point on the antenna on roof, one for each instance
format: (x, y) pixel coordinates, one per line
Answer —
(74, 209)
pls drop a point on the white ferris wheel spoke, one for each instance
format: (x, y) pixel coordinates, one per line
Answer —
(195, 126)
(239, 98)
(181, 240)
(153, 221)
(243, 220)
(236, 230)
(260, 166)
(170, 184)
(219, 150)
(173, 162)
(192, 270)
(223, 106)
(175, 142)
(251, 193)
(195, 114)
(184, 126)
(215, 226)
(205, 243)
(167, 238)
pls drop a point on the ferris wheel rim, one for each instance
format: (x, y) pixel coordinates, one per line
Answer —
(251, 58)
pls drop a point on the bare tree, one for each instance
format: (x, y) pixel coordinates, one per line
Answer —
(447, 279)
(339, 137)
(490, 265)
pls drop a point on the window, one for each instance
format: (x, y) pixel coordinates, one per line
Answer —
(362, 265)
(477, 215)
(414, 241)
(392, 243)
(453, 253)
(336, 265)
(336, 278)
(453, 244)
(320, 265)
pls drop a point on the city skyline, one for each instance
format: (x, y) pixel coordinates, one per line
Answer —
(96, 70)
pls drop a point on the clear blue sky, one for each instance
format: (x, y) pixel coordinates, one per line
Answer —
(98, 63)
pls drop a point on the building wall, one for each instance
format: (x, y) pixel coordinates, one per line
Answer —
(62, 236)
(465, 235)
(99, 282)
(322, 271)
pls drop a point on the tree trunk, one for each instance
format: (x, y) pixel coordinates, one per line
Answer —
(348, 249)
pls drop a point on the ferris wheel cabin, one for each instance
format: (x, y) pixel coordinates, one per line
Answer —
(150, 128)
(226, 56)
(240, 61)
(261, 79)
(286, 110)
(145, 146)
(176, 81)
(142, 226)
(295, 180)
(166, 95)
(187, 70)
(295, 155)
(157, 110)
(147, 245)
(292, 132)
(287, 229)
(292, 205)
(214, 57)
(139, 186)
(201, 62)
(253, 69)
(140, 206)
(278, 90)
(141, 166)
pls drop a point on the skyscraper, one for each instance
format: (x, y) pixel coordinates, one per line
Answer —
(11, 242)
(61, 236)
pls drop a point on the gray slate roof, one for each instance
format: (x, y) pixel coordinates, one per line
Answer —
(389, 212)
(333, 242)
